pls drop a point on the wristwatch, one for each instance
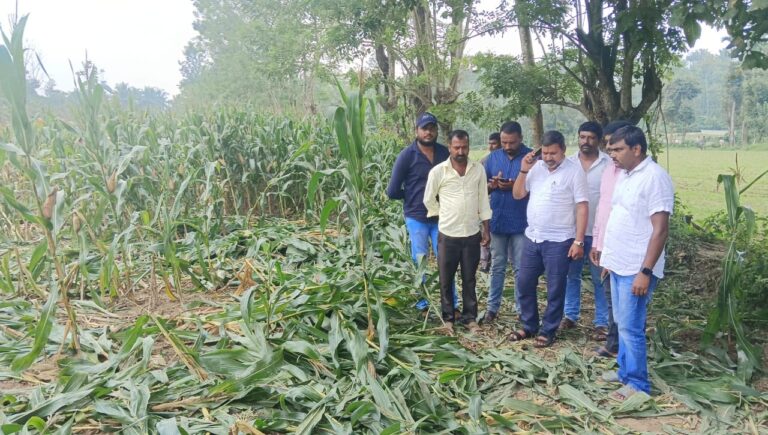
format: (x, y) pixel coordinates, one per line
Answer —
(646, 271)
(579, 243)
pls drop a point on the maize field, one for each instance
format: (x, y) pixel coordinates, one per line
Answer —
(230, 272)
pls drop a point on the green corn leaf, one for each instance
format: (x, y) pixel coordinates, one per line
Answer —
(476, 407)
(579, 400)
(382, 325)
(635, 402)
(450, 375)
(313, 418)
(42, 331)
(56, 403)
(391, 429)
(38, 259)
(527, 407)
(24, 211)
(167, 427)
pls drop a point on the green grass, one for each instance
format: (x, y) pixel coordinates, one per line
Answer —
(695, 172)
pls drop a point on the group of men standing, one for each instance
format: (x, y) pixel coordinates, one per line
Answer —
(544, 213)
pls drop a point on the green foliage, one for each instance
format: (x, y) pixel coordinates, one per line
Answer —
(517, 87)
(727, 316)
(617, 53)
(278, 54)
(265, 53)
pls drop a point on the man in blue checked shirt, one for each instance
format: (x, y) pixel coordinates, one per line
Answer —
(508, 221)
(409, 178)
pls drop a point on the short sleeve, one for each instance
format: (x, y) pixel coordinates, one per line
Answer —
(580, 189)
(661, 193)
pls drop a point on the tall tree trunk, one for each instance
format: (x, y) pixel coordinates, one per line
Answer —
(422, 98)
(743, 131)
(526, 44)
(387, 67)
(732, 125)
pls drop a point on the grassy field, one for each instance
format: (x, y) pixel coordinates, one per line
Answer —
(695, 171)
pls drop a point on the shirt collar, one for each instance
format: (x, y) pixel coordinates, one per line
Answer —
(641, 166)
(566, 161)
(601, 158)
(447, 165)
(523, 151)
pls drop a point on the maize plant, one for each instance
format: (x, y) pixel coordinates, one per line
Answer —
(230, 271)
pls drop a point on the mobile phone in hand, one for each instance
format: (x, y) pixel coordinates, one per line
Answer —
(537, 154)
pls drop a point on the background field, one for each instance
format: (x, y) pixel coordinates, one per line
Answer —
(695, 171)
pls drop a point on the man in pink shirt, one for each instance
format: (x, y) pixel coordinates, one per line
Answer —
(607, 184)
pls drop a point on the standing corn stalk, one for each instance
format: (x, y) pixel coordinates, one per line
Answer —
(49, 200)
(349, 122)
(726, 316)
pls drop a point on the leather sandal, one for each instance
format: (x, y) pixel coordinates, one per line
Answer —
(543, 341)
(518, 335)
(600, 334)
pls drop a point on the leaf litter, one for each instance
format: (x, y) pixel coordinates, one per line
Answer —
(287, 352)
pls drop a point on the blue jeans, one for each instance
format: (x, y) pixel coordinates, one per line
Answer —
(501, 246)
(573, 288)
(629, 312)
(420, 234)
(550, 258)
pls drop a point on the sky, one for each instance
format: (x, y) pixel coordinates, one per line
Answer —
(141, 42)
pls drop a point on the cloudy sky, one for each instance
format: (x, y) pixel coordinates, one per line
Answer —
(141, 42)
(136, 41)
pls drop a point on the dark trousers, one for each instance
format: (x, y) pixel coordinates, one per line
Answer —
(452, 252)
(550, 258)
(612, 340)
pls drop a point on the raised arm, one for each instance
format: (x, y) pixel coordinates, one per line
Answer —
(518, 190)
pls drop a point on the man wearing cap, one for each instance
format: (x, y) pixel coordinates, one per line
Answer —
(409, 177)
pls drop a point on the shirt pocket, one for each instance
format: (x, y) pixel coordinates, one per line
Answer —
(560, 192)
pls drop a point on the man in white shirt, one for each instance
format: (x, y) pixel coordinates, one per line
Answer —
(593, 162)
(456, 191)
(557, 221)
(635, 235)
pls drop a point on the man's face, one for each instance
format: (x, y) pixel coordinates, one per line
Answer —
(459, 150)
(427, 135)
(493, 145)
(606, 143)
(588, 142)
(511, 143)
(623, 156)
(552, 155)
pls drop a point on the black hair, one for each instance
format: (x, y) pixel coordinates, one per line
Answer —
(459, 134)
(632, 136)
(553, 137)
(592, 127)
(494, 136)
(511, 127)
(615, 125)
